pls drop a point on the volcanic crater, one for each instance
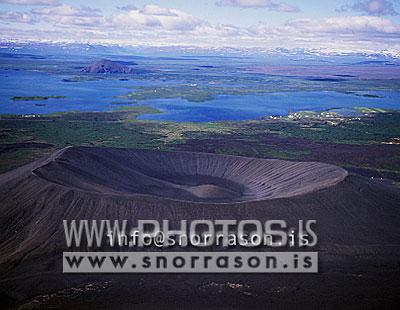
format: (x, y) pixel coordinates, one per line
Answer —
(357, 218)
(192, 177)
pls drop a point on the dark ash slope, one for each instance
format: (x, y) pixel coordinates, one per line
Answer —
(185, 176)
(358, 221)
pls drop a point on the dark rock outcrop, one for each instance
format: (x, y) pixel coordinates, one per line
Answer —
(108, 66)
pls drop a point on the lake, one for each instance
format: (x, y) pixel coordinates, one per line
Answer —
(260, 94)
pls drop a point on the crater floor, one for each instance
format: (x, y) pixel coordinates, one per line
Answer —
(185, 176)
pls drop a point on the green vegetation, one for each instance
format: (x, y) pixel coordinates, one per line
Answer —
(123, 102)
(307, 113)
(205, 87)
(364, 110)
(63, 129)
(82, 78)
(36, 98)
(377, 129)
(370, 96)
(138, 109)
(191, 93)
(13, 159)
(313, 138)
(366, 95)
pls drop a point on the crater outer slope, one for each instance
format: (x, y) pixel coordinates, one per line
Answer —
(185, 176)
(357, 221)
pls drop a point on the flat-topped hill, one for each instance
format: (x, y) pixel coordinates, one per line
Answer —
(108, 66)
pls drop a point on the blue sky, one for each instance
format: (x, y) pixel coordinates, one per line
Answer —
(342, 25)
(207, 9)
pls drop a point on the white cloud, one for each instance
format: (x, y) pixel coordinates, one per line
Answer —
(371, 7)
(150, 17)
(66, 10)
(269, 4)
(355, 25)
(31, 2)
(155, 25)
(152, 9)
(17, 17)
(66, 15)
(153, 16)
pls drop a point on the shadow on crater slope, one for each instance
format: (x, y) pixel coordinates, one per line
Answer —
(185, 176)
(357, 225)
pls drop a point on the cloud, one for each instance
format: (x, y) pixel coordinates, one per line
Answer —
(31, 2)
(269, 4)
(153, 16)
(17, 17)
(66, 15)
(66, 10)
(156, 25)
(150, 17)
(351, 33)
(371, 7)
(355, 25)
(152, 9)
(127, 8)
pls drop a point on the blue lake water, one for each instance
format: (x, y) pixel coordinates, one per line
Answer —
(252, 106)
(98, 95)
(81, 96)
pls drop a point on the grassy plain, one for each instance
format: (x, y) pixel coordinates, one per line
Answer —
(369, 142)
